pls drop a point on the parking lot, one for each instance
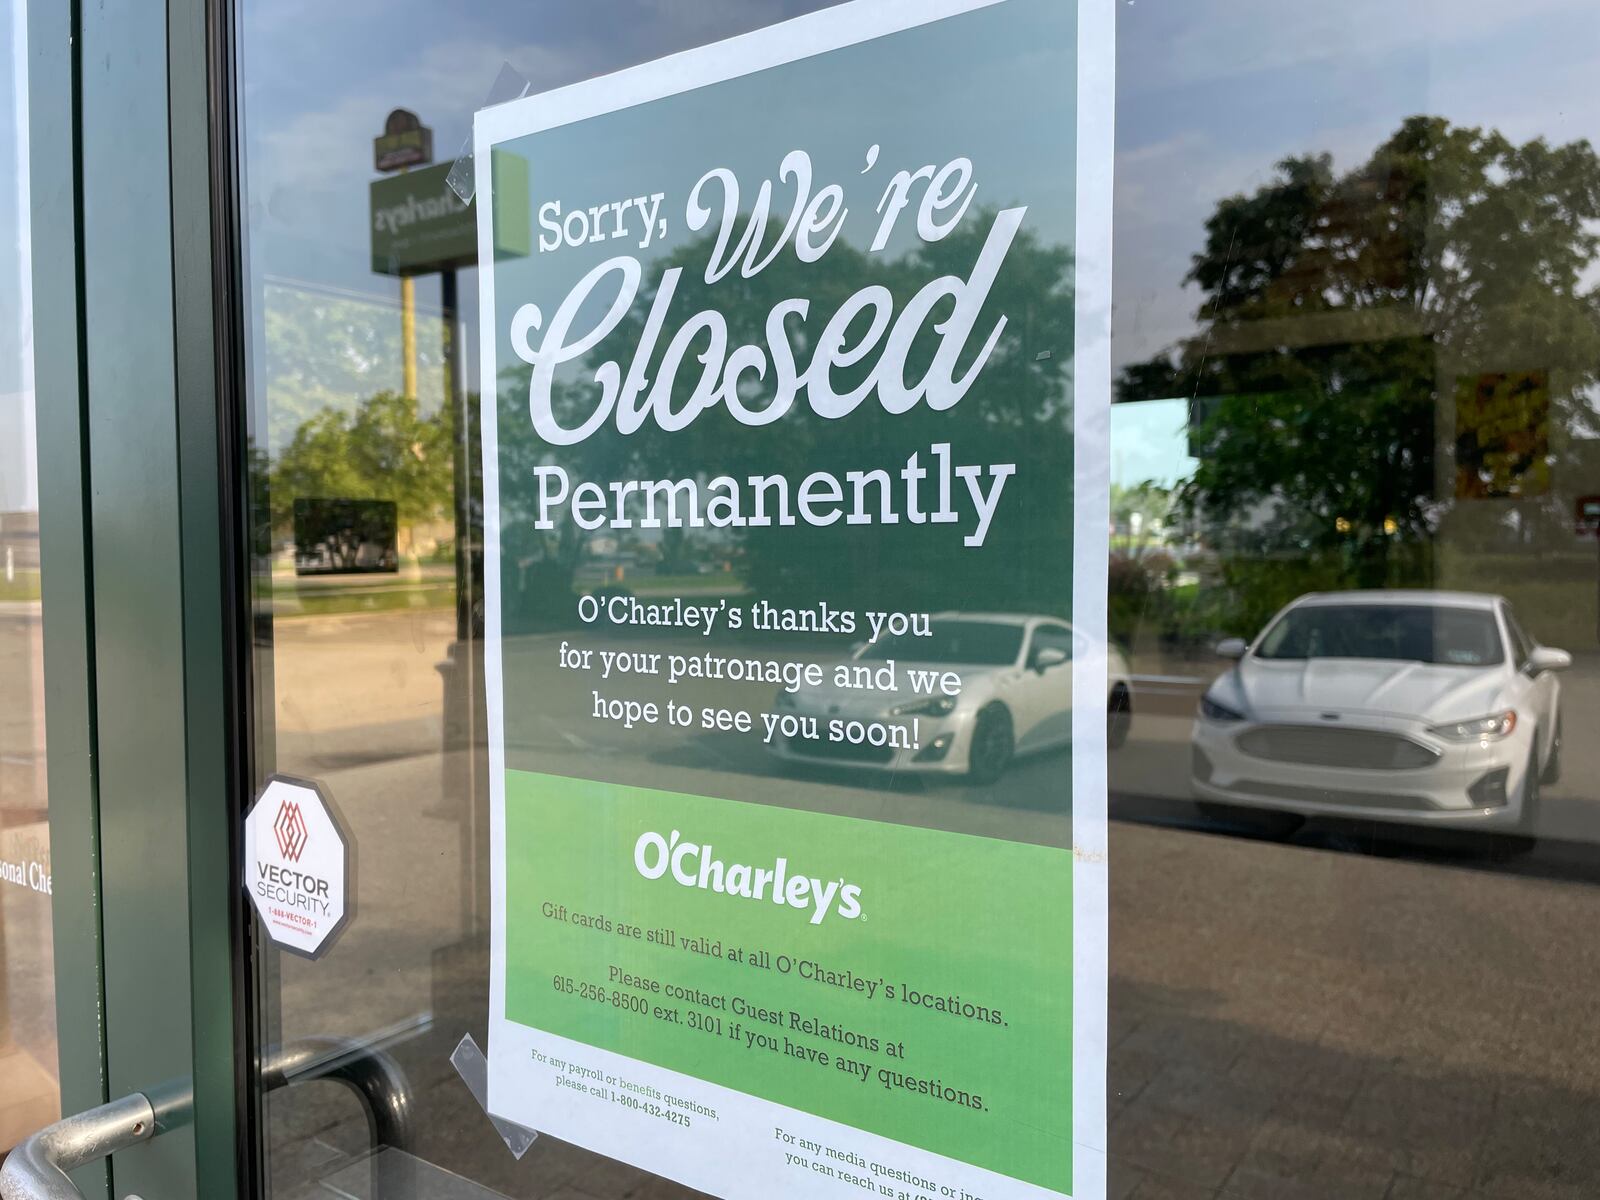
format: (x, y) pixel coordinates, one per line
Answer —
(1348, 1013)
(1342, 1014)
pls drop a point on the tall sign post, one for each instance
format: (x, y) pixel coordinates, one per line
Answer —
(405, 143)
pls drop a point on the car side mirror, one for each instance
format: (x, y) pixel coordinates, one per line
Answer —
(1232, 648)
(1047, 657)
(1547, 658)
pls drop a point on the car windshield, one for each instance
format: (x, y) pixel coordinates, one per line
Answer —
(1463, 637)
(975, 643)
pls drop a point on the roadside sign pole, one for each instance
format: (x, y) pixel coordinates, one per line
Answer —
(408, 335)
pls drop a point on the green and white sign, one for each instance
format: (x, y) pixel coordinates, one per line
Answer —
(419, 225)
(794, 436)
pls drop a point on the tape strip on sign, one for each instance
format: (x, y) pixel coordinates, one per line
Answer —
(297, 863)
(473, 1067)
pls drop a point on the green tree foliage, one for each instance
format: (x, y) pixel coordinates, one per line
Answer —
(1338, 310)
(383, 449)
(1146, 505)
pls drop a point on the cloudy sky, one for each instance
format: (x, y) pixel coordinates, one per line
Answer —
(1210, 94)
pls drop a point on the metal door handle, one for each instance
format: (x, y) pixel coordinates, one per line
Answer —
(37, 1168)
(372, 1074)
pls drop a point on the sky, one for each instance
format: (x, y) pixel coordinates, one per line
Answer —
(1150, 443)
(1210, 95)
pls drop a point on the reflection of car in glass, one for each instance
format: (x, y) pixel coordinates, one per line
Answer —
(1015, 698)
(1402, 706)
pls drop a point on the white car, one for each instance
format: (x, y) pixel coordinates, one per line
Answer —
(1014, 698)
(1420, 707)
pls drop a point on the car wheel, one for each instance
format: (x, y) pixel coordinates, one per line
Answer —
(1552, 765)
(1263, 822)
(1512, 845)
(993, 744)
(1532, 795)
(1119, 716)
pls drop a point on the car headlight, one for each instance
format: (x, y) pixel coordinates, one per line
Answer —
(1213, 711)
(933, 706)
(1480, 729)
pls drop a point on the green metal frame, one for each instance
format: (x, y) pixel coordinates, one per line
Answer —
(138, 488)
(64, 543)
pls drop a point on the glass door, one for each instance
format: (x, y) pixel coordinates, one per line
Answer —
(29, 1072)
(307, 618)
(394, 585)
(1355, 341)
(123, 938)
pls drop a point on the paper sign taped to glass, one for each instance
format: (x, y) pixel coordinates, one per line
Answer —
(794, 453)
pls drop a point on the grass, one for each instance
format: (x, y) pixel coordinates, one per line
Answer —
(23, 585)
(291, 602)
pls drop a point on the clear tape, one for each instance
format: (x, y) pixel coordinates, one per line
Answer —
(473, 1068)
(510, 84)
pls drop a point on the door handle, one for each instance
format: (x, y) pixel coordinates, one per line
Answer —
(375, 1078)
(37, 1168)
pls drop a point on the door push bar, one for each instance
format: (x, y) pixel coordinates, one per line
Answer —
(37, 1168)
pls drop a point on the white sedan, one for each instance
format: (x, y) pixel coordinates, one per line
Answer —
(1014, 698)
(1422, 707)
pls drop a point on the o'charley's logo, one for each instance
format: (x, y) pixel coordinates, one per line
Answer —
(693, 865)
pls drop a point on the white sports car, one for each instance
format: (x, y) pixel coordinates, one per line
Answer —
(1014, 698)
(1422, 707)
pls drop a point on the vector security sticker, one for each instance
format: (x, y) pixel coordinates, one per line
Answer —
(297, 865)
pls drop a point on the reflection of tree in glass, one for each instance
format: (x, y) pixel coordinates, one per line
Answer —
(1340, 308)
(344, 535)
(385, 449)
(1019, 411)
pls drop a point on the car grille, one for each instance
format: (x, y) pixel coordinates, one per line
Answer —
(840, 751)
(1317, 795)
(1316, 746)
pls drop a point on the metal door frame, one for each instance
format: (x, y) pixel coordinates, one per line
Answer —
(136, 315)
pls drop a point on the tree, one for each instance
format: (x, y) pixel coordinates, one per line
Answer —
(1339, 309)
(383, 450)
(1142, 509)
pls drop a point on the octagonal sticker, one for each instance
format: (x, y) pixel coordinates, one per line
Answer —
(297, 865)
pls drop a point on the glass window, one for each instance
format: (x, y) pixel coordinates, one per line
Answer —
(1521, 646)
(1422, 633)
(1357, 353)
(29, 1091)
(1356, 335)
(1051, 637)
